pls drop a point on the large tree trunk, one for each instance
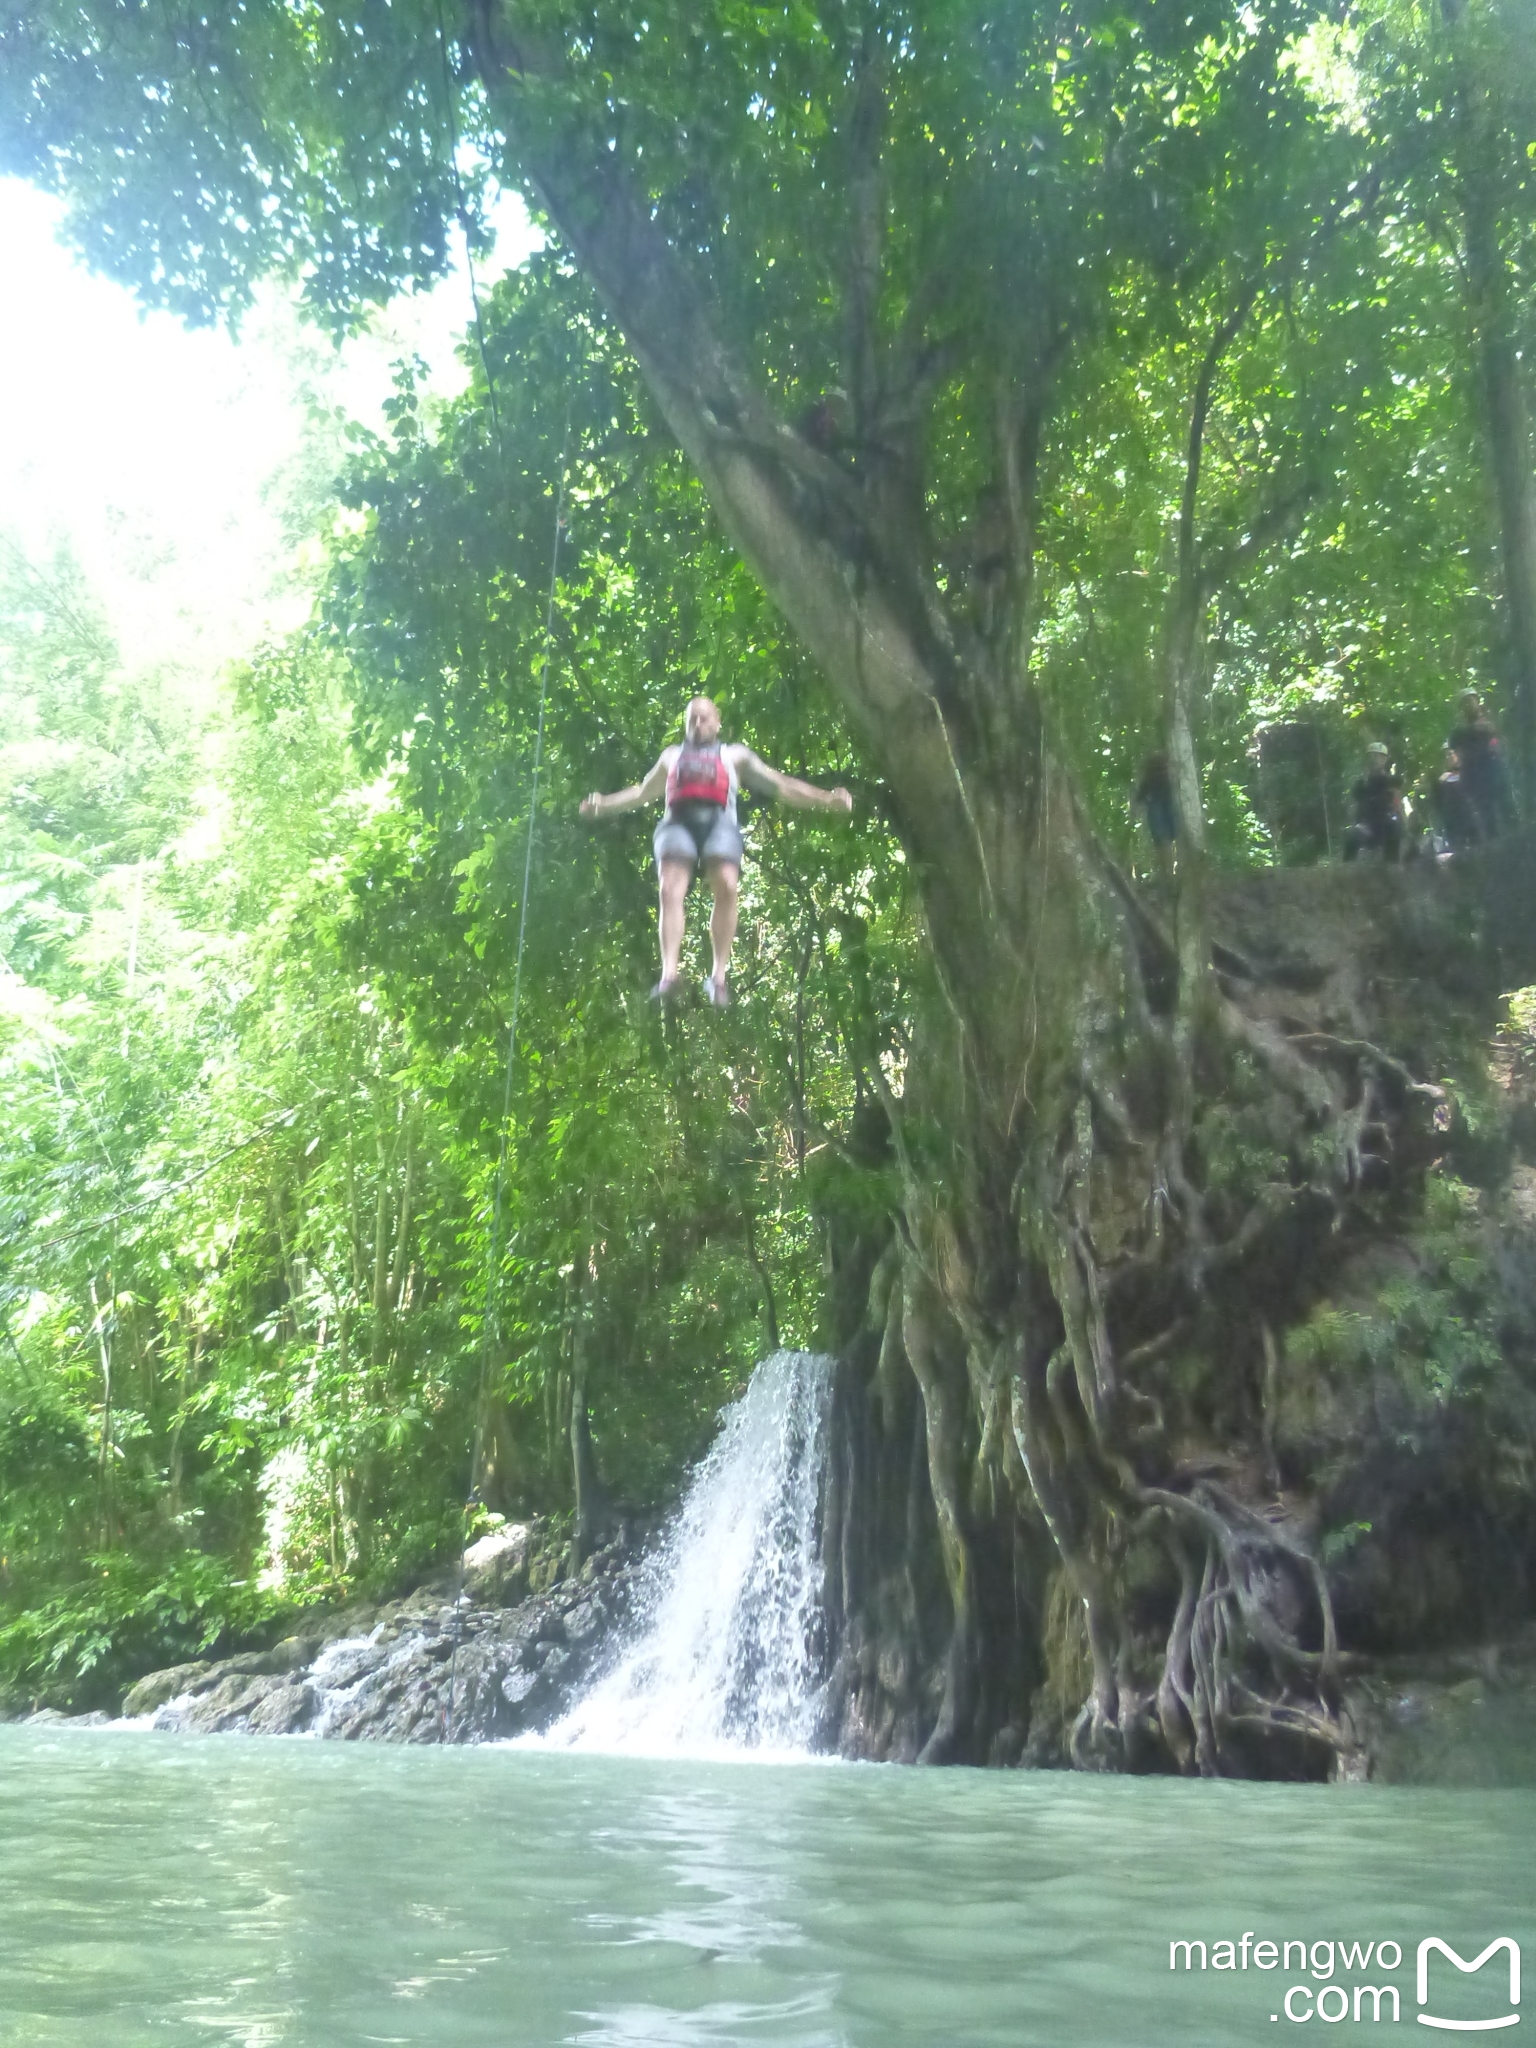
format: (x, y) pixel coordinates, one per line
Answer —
(1514, 479)
(1483, 143)
(1188, 1621)
(1061, 1227)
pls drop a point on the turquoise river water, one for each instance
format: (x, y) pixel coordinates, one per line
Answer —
(292, 1894)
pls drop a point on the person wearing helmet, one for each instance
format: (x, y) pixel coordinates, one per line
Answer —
(699, 781)
(1377, 796)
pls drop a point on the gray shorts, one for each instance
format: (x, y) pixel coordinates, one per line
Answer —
(695, 832)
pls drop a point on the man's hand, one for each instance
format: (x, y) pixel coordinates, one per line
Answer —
(591, 805)
(839, 800)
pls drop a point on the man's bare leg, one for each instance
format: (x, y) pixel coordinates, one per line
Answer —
(725, 881)
(675, 877)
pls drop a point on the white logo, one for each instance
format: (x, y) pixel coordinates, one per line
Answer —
(1508, 2019)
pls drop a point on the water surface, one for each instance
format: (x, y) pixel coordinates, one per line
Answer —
(289, 1894)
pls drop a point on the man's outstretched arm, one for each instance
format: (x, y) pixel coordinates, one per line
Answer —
(638, 793)
(789, 789)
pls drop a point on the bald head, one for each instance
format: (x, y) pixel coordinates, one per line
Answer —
(701, 722)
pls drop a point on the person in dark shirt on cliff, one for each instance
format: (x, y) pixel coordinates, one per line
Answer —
(699, 781)
(1484, 770)
(1456, 824)
(1378, 799)
(1153, 797)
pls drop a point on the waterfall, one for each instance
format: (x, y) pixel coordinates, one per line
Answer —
(726, 1657)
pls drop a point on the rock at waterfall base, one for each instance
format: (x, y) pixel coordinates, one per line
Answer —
(474, 1662)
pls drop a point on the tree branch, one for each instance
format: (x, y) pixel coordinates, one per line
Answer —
(1199, 413)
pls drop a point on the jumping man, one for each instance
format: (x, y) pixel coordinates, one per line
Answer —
(699, 781)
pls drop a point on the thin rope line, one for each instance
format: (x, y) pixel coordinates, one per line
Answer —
(522, 922)
(491, 1330)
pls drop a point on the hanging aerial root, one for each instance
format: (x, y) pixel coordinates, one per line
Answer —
(1372, 1055)
(1184, 1730)
(1281, 1058)
(1205, 1692)
(1242, 1538)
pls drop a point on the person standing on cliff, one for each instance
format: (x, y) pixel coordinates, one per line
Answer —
(1153, 797)
(699, 781)
(1484, 771)
(1378, 799)
(1456, 823)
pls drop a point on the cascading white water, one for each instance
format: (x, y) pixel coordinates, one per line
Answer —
(727, 1658)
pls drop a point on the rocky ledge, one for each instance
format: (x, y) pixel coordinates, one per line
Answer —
(1457, 1717)
(504, 1653)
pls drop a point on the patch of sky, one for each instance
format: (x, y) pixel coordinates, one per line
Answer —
(169, 461)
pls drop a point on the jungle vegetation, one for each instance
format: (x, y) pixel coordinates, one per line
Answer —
(972, 400)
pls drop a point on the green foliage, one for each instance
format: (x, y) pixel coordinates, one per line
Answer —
(253, 1216)
(285, 1235)
(1336, 1544)
(1432, 1331)
(126, 1614)
(655, 1208)
(173, 93)
(1104, 191)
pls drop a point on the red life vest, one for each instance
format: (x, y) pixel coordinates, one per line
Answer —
(699, 775)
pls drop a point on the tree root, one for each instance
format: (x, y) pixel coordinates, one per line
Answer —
(1282, 1060)
(1362, 1049)
(1251, 1654)
(1207, 1674)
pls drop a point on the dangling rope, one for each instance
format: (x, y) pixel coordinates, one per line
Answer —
(462, 208)
(517, 971)
(490, 1327)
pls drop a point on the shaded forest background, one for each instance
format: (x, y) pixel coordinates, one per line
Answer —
(268, 1292)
